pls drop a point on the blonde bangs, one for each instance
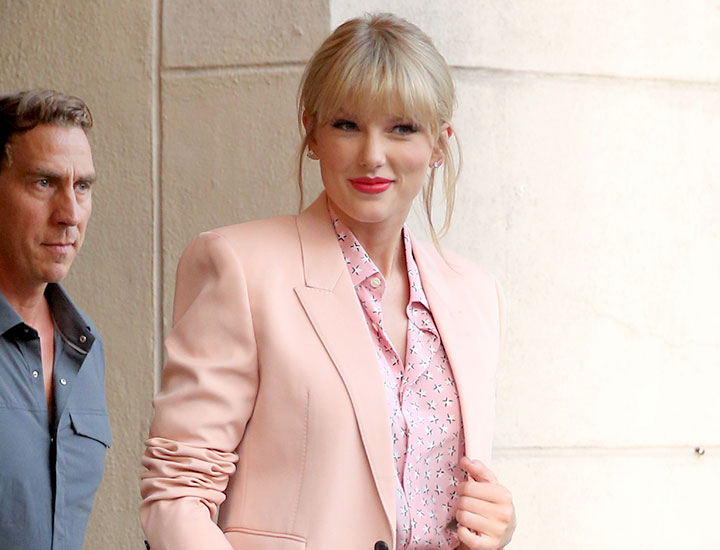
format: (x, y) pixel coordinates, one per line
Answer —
(377, 85)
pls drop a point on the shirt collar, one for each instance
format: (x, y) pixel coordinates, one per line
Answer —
(368, 269)
(9, 318)
(416, 290)
(68, 320)
(350, 246)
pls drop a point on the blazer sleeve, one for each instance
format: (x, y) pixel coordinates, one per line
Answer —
(209, 385)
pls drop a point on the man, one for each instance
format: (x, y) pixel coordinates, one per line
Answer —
(54, 427)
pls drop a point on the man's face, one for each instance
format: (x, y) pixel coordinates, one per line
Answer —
(45, 204)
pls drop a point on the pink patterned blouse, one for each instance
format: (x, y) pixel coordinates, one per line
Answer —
(422, 400)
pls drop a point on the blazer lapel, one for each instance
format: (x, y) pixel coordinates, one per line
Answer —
(471, 343)
(331, 304)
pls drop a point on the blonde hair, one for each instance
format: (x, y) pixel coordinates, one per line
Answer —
(382, 60)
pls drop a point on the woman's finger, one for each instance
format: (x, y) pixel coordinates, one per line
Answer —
(477, 470)
(475, 541)
(485, 491)
(476, 506)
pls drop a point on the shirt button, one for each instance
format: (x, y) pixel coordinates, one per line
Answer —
(35, 374)
(375, 282)
(63, 381)
(83, 338)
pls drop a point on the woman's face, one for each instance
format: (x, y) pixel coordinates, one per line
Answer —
(373, 165)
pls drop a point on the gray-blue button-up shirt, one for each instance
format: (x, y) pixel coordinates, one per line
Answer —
(49, 472)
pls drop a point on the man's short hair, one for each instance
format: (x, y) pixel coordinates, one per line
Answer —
(23, 111)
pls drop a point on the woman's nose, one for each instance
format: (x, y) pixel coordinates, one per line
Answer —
(373, 151)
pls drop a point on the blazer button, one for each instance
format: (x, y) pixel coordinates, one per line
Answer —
(381, 545)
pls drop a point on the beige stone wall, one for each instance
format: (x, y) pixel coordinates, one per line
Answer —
(590, 187)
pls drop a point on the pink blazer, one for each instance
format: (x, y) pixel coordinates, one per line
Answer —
(270, 409)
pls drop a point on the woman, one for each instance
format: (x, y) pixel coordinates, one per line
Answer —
(326, 372)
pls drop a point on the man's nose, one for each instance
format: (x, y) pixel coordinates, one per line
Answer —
(66, 207)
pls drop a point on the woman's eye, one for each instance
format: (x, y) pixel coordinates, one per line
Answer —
(405, 129)
(346, 125)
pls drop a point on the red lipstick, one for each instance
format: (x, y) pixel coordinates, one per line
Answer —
(371, 185)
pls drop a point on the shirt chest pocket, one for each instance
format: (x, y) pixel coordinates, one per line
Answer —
(92, 425)
(81, 453)
(81, 444)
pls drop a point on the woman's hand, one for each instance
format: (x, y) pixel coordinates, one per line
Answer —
(485, 512)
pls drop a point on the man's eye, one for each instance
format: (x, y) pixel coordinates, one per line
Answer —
(83, 187)
(346, 125)
(44, 183)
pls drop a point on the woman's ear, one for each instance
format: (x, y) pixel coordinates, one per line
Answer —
(438, 157)
(307, 121)
(446, 131)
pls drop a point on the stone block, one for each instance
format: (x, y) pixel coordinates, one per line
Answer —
(593, 500)
(230, 145)
(641, 39)
(231, 32)
(595, 203)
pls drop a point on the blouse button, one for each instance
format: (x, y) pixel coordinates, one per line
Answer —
(381, 545)
(63, 381)
(35, 374)
(375, 282)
